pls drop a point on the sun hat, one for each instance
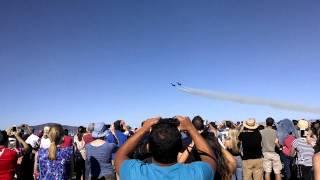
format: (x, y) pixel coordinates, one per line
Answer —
(303, 124)
(99, 130)
(251, 124)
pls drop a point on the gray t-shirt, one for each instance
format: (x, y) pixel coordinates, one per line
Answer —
(269, 137)
(98, 163)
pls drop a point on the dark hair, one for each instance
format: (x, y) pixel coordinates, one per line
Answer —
(197, 122)
(222, 167)
(165, 142)
(317, 146)
(118, 126)
(295, 122)
(229, 125)
(66, 132)
(3, 138)
(81, 131)
(213, 124)
(269, 121)
(260, 127)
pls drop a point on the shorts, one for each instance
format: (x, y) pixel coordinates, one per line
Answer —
(271, 160)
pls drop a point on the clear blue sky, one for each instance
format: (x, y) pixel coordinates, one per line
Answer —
(75, 62)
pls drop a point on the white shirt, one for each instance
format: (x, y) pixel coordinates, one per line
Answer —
(45, 143)
(32, 140)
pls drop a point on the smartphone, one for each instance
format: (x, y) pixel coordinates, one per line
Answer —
(14, 129)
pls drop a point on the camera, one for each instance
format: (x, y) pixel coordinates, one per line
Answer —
(173, 121)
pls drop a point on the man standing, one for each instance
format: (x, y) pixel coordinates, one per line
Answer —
(271, 160)
(252, 161)
(165, 143)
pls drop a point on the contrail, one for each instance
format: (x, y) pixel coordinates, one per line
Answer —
(249, 100)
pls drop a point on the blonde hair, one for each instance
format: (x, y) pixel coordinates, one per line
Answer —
(56, 134)
(46, 130)
(234, 141)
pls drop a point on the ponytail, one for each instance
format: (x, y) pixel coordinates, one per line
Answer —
(55, 134)
(52, 151)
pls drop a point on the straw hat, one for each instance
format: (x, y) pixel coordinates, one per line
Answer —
(250, 124)
(303, 124)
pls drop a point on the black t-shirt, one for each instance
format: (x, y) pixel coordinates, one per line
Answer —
(251, 144)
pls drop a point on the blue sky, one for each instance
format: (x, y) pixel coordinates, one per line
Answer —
(75, 62)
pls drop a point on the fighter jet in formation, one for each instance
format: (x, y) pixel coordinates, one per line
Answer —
(176, 84)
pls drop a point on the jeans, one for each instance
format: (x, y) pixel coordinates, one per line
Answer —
(287, 162)
(238, 175)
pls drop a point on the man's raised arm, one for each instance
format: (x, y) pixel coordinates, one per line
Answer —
(130, 145)
(206, 154)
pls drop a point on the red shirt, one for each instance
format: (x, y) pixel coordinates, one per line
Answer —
(67, 141)
(8, 163)
(87, 138)
(288, 144)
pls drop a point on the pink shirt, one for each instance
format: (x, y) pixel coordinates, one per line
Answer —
(288, 144)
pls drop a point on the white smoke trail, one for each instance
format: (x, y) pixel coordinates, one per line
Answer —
(249, 100)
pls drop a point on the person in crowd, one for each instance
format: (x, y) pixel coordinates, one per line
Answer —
(79, 153)
(164, 144)
(252, 162)
(232, 145)
(87, 136)
(303, 147)
(198, 123)
(224, 130)
(98, 156)
(226, 163)
(271, 160)
(142, 152)
(116, 135)
(56, 161)
(8, 157)
(286, 133)
(295, 123)
(45, 141)
(25, 162)
(190, 154)
(67, 139)
(33, 139)
(212, 127)
(316, 158)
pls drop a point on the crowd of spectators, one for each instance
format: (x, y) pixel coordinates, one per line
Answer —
(164, 148)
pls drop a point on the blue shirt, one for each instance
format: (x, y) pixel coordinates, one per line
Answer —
(119, 140)
(135, 169)
(98, 163)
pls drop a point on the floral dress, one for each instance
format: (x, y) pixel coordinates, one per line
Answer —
(59, 169)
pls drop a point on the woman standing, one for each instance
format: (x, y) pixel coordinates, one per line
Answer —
(98, 156)
(8, 157)
(232, 145)
(79, 153)
(55, 162)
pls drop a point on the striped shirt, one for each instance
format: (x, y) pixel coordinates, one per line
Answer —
(304, 151)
